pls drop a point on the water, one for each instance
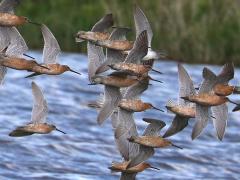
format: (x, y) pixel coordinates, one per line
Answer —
(87, 149)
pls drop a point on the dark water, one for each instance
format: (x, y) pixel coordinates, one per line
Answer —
(87, 149)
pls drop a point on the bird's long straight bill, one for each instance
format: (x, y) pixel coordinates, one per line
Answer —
(154, 168)
(174, 145)
(157, 109)
(60, 131)
(156, 71)
(155, 80)
(233, 102)
(75, 71)
(28, 56)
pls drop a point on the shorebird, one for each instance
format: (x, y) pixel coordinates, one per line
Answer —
(184, 110)
(136, 105)
(51, 51)
(114, 56)
(141, 24)
(98, 30)
(134, 155)
(95, 53)
(206, 99)
(7, 16)
(11, 56)
(38, 123)
(146, 152)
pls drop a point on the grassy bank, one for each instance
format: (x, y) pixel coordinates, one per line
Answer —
(199, 31)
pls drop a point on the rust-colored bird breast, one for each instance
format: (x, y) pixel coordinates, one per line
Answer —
(7, 19)
(184, 111)
(133, 105)
(119, 81)
(121, 45)
(152, 141)
(223, 90)
(208, 99)
(17, 63)
(42, 128)
(93, 36)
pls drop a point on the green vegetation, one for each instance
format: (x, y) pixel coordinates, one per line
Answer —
(199, 31)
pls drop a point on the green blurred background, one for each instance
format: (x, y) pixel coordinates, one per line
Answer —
(193, 31)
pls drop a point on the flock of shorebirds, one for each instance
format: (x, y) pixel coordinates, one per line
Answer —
(123, 70)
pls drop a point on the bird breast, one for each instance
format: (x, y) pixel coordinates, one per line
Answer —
(121, 45)
(133, 105)
(152, 141)
(17, 63)
(208, 99)
(38, 128)
(7, 19)
(94, 36)
(184, 111)
(119, 81)
(223, 89)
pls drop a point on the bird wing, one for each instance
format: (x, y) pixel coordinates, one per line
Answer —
(113, 56)
(209, 81)
(17, 46)
(40, 108)
(112, 96)
(202, 115)
(95, 59)
(144, 152)
(103, 24)
(154, 127)
(186, 87)
(136, 90)
(125, 129)
(141, 24)
(8, 6)
(3, 72)
(178, 124)
(139, 50)
(226, 74)
(4, 38)
(51, 48)
(220, 114)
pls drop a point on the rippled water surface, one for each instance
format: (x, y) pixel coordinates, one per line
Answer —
(87, 149)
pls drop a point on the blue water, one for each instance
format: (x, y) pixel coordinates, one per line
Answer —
(87, 149)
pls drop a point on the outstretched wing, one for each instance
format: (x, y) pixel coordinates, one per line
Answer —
(95, 59)
(141, 24)
(17, 46)
(154, 127)
(125, 129)
(139, 50)
(103, 24)
(3, 72)
(209, 81)
(178, 124)
(112, 96)
(220, 114)
(40, 109)
(51, 48)
(8, 6)
(186, 87)
(136, 90)
(202, 115)
(113, 56)
(4, 38)
(226, 74)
